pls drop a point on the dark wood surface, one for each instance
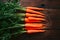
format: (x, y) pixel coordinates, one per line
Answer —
(36, 3)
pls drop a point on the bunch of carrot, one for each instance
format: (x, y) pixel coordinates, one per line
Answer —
(33, 20)
(13, 22)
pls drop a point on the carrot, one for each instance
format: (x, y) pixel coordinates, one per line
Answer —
(33, 15)
(29, 21)
(35, 31)
(33, 28)
(34, 18)
(34, 12)
(35, 8)
(38, 25)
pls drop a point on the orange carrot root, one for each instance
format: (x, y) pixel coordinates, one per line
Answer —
(35, 8)
(38, 25)
(35, 31)
(34, 12)
(33, 28)
(31, 21)
(33, 15)
(33, 18)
